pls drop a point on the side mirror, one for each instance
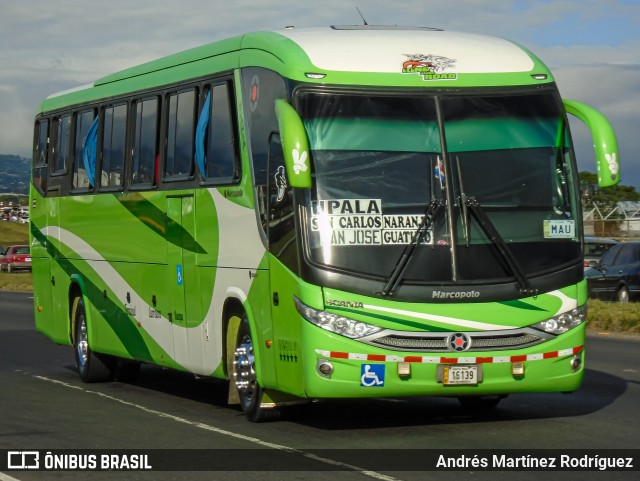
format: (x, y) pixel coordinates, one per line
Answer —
(605, 143)
(295, 145)
(593, 264)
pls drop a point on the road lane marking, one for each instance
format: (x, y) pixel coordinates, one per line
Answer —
(224, 432)
(6, 477)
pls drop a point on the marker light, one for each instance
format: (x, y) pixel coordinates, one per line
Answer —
(325, 368)
(315, 75)
(576, 362)
(404, 369)
(540, 76)
(517, 369)
(335, 323)
(563, 322)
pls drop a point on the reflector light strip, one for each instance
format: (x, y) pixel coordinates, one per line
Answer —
(449, 360)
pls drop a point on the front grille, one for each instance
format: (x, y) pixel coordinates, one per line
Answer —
(412, 343)
(438, 342)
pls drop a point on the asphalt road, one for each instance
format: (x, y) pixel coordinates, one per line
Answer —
(45, 406)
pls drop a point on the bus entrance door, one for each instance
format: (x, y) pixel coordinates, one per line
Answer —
(181, 267)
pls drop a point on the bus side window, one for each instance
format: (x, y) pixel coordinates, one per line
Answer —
(84, 121)
(145, 143)
(222, 162)
(61, 146)
(59, 154)
(41, 155)
(114, 138)
(180, 134)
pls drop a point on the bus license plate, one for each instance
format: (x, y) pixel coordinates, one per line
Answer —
(456, 375)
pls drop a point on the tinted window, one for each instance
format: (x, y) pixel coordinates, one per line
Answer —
(180, 134)
(221, 159)
(609, 256)
(596, 249)
(145, 148)
(42, 141)
(628, 254)
(83, 122)
(40, 155)
(280, 221)
(63, 139)
(260, 88)
(113, 146)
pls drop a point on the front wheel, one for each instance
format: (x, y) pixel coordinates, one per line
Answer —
(244, 378)
(92, 367)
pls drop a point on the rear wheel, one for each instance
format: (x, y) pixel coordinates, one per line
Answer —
(244, 378)
(92, 367)
(622, 295)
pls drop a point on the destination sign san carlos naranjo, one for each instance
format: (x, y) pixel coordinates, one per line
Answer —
(352, 222)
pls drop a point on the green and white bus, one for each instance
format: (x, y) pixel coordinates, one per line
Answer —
(341, 212)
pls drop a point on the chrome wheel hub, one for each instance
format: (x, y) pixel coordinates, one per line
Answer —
(82, 344)
(244, 368)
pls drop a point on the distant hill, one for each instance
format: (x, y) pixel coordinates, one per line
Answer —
(15, 172)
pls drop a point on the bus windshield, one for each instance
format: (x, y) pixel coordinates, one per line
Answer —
(498, 163)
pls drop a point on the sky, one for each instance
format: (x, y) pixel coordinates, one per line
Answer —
(591, 46)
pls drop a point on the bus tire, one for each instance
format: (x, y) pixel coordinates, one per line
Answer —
(92, 367)
(480, 403)
(622, 295)
(244, 378)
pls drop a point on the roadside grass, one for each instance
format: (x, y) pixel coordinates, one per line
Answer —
(14, 233)
(16, 282)
(614, 316)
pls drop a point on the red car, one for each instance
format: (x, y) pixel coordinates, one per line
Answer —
(15, 258)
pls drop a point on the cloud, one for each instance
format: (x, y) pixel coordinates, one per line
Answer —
(615, 91)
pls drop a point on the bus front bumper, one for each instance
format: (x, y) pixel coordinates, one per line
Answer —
(350, 369)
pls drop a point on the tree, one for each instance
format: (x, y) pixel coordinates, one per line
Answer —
(591, 193)
(605, 200)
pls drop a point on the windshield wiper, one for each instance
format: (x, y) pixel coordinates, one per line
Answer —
(470, 203)
(407, 254)
(463, 203)
(526, 289)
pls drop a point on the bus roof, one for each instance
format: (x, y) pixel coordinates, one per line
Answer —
(385, 49)
(348, 55)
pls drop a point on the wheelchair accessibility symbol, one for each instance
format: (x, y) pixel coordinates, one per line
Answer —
(372, 375)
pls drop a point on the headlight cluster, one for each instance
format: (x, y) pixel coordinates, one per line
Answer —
(336, 323)
(563, 322)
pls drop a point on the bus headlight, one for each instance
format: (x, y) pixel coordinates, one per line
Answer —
(335, 323)
(563, 322)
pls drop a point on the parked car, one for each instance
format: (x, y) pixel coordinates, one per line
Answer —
(15, 258)
(616, 276)
(595, 247)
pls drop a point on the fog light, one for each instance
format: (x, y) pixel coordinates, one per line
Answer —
(517, 369)
(404, 369)
(576, 363)
(325, 368)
